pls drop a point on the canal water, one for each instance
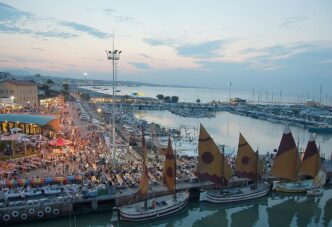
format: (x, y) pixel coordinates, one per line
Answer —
(274, 210)
(225, 129)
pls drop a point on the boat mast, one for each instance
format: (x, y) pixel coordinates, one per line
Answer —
(145, 168)
(297, 159)
(222, 164)
(174, 156)
(257, 163)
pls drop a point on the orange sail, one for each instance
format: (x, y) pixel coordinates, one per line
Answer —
(246, 161)
(169, 172)
(286, 163)
(311, 159)
(144, 182)
(212, 165)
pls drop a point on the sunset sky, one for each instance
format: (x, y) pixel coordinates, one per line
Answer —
(277, 45)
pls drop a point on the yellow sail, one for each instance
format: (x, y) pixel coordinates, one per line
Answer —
(169, 172)
(144, 182)
(286, 163)
(311, 159)
(246, 161)
(212, 165)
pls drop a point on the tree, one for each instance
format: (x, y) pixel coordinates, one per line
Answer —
(167, 99)
(65, 86)
(45, 88)
(85, 96)
(49, 81)
(160, 96)
(174, 99)
(126, 97)
(198, 101)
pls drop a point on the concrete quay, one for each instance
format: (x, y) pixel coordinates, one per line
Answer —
(53, 207)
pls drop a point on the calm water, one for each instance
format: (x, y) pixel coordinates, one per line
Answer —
(207, 95)
(275, 210)
(225, 129)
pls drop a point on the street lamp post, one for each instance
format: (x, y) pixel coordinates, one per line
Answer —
(85, 75)
(113, 56)
(99, 115)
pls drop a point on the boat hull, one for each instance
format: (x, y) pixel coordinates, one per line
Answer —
(136, 212)
(294, 187)
(315, 192)
(320, 129)
(235, 194)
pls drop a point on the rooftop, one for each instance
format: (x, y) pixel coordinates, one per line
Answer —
(20, 82)
(27, 118)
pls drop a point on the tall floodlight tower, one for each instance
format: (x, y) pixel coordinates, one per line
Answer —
(113, 55)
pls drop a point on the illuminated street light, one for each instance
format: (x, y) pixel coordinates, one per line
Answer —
(113, 56)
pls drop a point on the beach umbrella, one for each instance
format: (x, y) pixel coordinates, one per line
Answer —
(9, 183)
(58, 179)
(78, 178)
(48, 180)
(35, 181)
(13, 130)
(14, 182)
(70, 178)
(59, 142)
(21, 182)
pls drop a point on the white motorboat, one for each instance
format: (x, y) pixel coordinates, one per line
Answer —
(50, 191)
(32, 192)
(11, 194)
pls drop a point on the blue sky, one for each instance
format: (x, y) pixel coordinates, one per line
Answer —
(276, 45)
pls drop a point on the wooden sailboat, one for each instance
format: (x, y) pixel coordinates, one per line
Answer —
(311, 166)
(288, 167)
(213, 166)
(156, 207)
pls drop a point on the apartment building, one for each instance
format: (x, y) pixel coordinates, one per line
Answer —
(21, 92)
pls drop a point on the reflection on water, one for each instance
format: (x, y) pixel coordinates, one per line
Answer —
(274, 210)
(225, 129)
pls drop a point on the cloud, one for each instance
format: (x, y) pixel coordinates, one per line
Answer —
(39, 49)
(140, 65)
(146, 56)
(328, 61)
(124, 19)
(292, 22)
(271, 57)
(85, 29)
(108, 11)
(207, 49)
(157, 42)
(14, 21)
(8, 58)
(11, 14)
